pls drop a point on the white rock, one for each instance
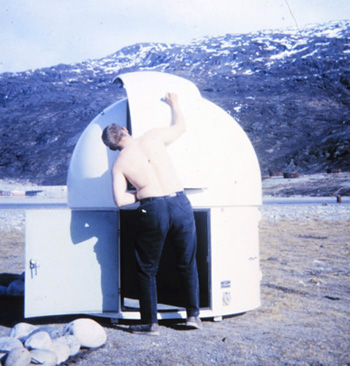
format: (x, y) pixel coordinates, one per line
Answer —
(89, 333)
(72, 342)
(43, 357)
(38, 340)
(22, 330)
(7, 344)
(15, 288)
(18, 357)
(54, 332)
(61, 350)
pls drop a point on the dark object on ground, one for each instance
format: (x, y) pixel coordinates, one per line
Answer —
(291, 175)
(333, 170)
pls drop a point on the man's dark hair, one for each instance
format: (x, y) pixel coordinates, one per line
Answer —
(111, 136)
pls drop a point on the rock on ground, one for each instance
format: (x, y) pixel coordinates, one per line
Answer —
(89, 333)
(43, 357)
(18, 357)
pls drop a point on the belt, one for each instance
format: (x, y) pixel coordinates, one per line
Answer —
(148, 199)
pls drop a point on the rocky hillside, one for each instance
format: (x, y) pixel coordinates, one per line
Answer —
(289, 90)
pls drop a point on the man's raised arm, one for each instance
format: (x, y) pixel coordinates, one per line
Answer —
(178, 126)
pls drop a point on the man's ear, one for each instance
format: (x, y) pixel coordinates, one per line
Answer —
(125, 130)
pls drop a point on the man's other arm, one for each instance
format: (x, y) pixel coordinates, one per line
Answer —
(120, 194)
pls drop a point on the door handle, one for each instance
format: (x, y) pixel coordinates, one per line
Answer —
(34, 265)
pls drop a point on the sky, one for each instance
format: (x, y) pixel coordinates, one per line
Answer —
(43, 33)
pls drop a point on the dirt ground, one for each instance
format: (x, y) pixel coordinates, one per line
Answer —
(311, 185)
(304, 318)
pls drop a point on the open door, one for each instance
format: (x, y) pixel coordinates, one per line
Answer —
(71, 262)
(170, 296)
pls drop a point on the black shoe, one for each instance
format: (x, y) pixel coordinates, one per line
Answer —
(194, 322)
(147, 329)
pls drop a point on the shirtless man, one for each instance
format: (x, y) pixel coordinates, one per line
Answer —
(164, 212)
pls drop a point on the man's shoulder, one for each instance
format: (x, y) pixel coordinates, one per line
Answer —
(151, 133)
(153, 136)
(118, 162)
(123, 158)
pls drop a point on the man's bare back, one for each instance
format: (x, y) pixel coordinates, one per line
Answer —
(146, 164)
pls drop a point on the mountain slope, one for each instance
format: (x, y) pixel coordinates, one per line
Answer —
(289, 90)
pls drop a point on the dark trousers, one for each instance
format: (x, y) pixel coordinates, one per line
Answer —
(158, 219)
